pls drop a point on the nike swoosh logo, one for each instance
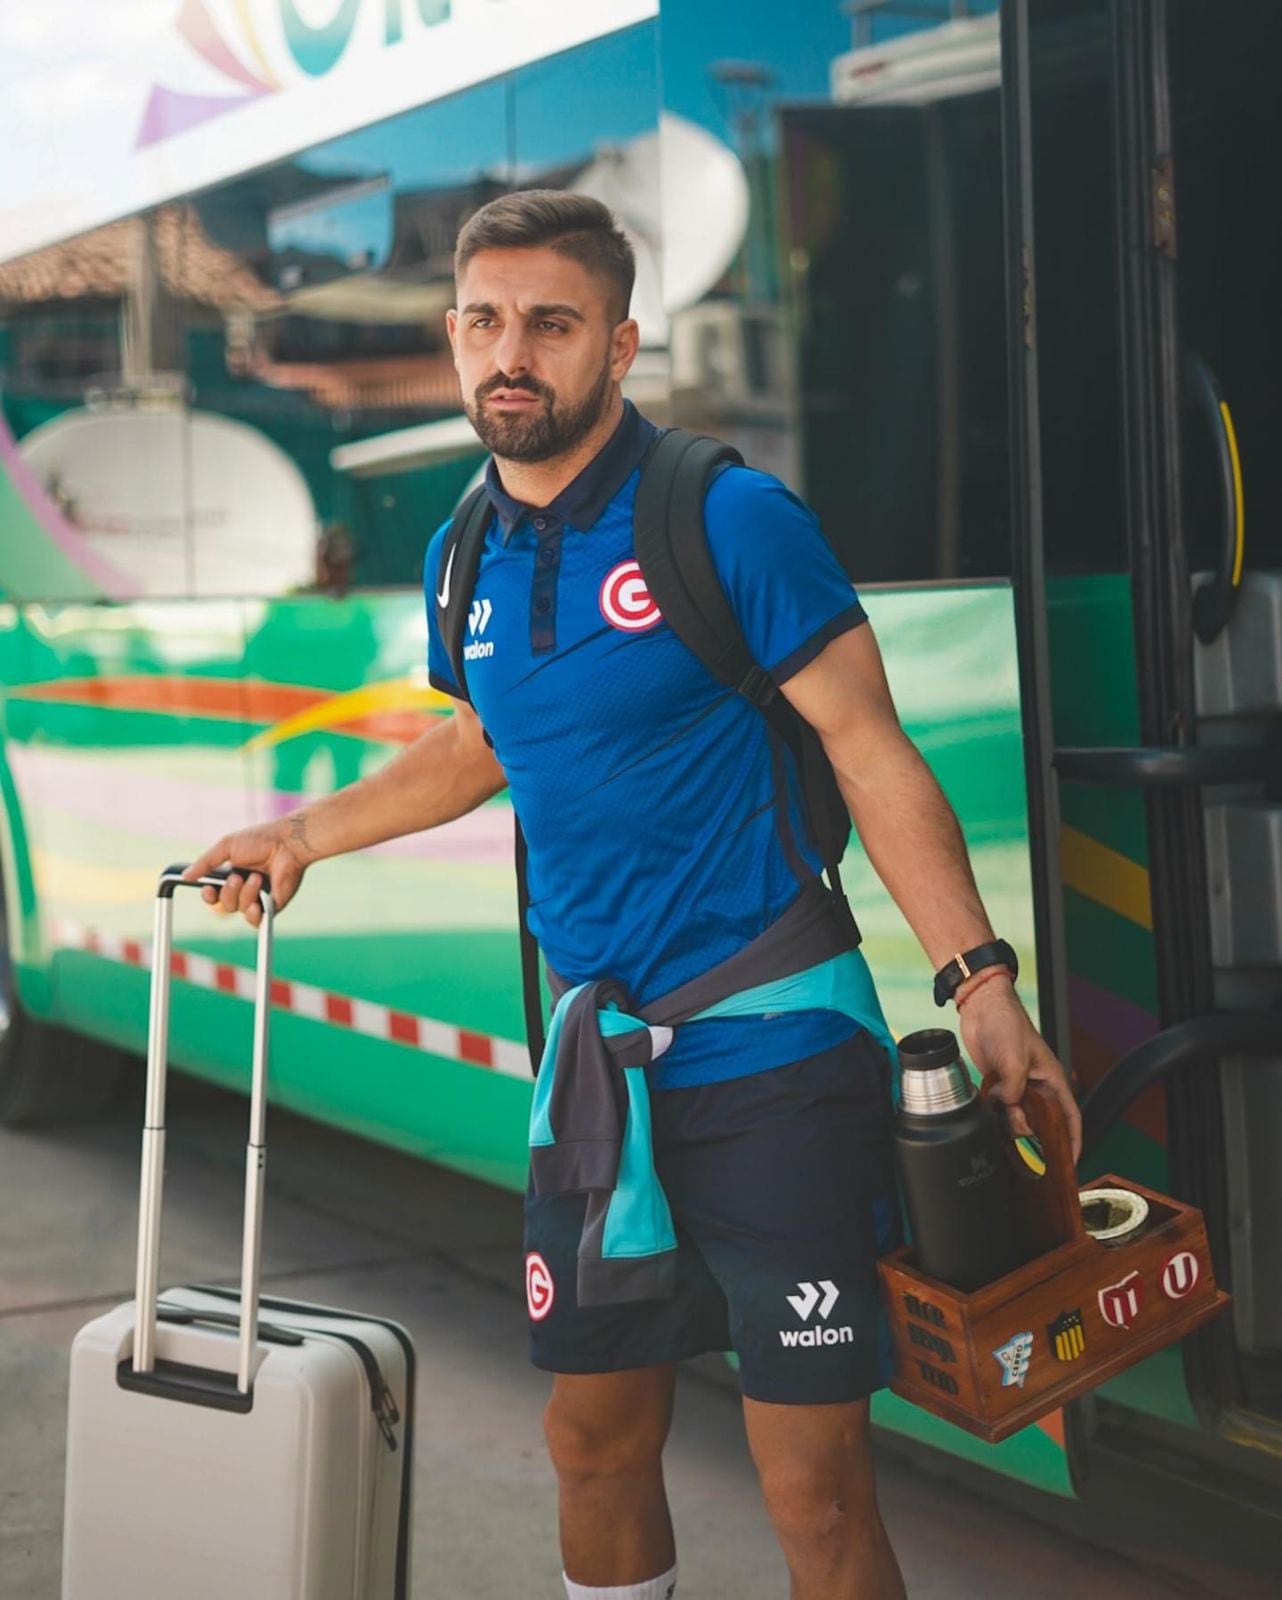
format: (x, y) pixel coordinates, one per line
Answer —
(443, 598)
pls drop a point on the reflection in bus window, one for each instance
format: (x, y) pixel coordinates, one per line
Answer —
(896, 253)
(856, 342)
(189, 385)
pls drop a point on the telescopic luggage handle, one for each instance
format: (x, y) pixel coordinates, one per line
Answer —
(153, 1137)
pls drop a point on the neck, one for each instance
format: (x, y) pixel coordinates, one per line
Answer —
(537, 483)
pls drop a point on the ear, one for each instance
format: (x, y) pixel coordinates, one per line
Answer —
(451, 330)
(625, 340)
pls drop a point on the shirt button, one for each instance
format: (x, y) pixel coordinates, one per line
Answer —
(540, 523)
(547, 555)
(542, 606)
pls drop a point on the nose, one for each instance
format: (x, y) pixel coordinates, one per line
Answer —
(512, 353)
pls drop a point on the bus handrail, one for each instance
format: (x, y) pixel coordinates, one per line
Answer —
(1205, 1039)
(1215, 599)
(1174, 766)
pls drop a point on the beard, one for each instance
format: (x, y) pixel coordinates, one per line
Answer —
(546, 431)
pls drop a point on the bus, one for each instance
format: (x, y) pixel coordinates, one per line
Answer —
(989, 285)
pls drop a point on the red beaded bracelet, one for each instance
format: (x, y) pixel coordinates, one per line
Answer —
(982, 978)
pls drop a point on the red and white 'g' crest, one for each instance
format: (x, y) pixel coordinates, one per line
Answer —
(1180, 1275)
(1120, 1303)
(539, 1288)
(625, 600)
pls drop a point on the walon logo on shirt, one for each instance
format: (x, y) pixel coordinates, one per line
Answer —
(478, 619)
(824, 1297)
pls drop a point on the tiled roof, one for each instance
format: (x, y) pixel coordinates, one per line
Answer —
(423, 382)
(98, 266)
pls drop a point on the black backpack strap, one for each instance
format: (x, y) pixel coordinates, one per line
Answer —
(531, 988)
(455, 584)
(677, 563)
(456, 576)
(672, 549)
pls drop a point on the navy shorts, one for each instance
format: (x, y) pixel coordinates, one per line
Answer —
(783, 1195)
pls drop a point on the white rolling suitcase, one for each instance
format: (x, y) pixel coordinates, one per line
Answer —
(213, 1455)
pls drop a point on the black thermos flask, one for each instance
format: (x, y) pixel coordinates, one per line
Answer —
(958, 1181)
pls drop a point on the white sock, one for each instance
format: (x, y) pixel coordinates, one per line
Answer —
(662, 1588)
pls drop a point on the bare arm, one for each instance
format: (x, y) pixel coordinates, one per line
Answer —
(912, 837)
(904, 820)
(444, 774)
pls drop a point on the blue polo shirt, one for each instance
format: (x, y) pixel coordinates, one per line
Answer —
(661, 813)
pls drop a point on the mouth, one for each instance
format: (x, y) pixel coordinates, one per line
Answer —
(512, 400)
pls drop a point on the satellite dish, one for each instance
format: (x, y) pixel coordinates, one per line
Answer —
(182, 502)
(681, 196)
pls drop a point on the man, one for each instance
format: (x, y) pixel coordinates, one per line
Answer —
(664, 837)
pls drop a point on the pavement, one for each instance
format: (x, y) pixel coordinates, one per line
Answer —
(349, 1223)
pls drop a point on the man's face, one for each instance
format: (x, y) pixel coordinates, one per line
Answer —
(537, 349)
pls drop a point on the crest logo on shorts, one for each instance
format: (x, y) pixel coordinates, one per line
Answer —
(625, 601)
(540, 1291)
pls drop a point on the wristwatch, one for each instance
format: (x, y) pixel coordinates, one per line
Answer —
(967, 963)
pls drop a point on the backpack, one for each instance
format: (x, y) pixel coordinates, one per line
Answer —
(672, 551)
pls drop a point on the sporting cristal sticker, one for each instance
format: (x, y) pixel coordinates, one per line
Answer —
(1014, 1357)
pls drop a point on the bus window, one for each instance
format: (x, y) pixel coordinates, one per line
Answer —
(352, 242)
(894, 219)
(347, 369)
(1076, 263)
(1226, 106)
(99, 494)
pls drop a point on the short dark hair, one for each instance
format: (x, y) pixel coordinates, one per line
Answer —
(573, 225)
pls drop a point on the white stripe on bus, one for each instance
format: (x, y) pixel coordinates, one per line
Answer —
(369, 1018)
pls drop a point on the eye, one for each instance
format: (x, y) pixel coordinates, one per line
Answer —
(551, 327)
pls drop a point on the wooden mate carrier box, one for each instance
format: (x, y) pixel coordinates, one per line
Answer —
(997, 1358)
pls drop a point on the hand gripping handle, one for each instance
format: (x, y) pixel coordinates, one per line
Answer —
(172, 878)
(153, 1137)
(1051, 1210)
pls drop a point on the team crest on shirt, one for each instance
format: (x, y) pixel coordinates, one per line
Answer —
(625, 601)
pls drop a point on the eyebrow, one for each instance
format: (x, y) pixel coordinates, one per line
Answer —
(552, 309)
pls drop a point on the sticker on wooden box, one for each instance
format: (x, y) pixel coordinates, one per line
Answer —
(1120, 1303)
(1180, 1275)
(1014, 1357)
(1067, 1336)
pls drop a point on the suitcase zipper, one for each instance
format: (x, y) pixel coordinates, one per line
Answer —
(403, 1339)
(382, 1403)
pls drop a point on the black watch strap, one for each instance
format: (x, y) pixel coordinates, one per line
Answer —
(968, 962)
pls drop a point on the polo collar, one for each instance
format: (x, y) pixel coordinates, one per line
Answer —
(583, 501)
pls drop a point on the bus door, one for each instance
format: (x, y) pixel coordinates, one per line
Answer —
(891, 214)
(1144, 327)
